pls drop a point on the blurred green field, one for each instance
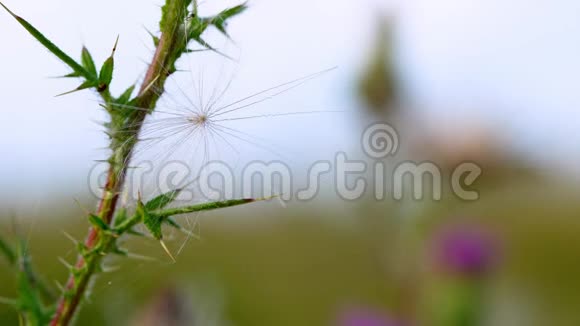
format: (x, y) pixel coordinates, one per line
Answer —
(301, 265)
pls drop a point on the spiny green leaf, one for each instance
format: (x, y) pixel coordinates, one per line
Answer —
(106, 73)
(169, 221)
(195, 50)
(153, 224)
(174, 224)
(220, 20)
(154, 38)
(78, 271)
(88, 62)
(83, 250)
(85, 85)
(121, 216)
(49, 45)
(98, 222)
(203, 207)
(151, 221)
(196, 27)
(78, 274)
(162, 200)
(126, 96)
(231, 12)
(68, 294)
(140, 209)
(72, 75)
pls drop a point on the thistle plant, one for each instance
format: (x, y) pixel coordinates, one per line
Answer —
(180, 26)
(465, 257)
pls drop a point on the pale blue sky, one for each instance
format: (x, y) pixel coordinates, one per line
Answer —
(513, 62)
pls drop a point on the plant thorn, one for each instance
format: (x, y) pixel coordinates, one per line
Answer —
(167, 251)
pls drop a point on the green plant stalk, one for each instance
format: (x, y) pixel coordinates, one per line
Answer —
(99, 242)
(107, 224)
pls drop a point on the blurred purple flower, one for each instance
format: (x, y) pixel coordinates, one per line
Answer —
(469, 250)
(365, 317)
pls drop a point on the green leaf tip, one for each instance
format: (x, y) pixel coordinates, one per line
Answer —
(204, 207)
(71, 75)
(163, 200)
(88, 62)
(154, 37)
(85, 85)
(121, 216)
(220, 20)
(125, 98)
(49, 45)
(106, 73)
(152, 222)
(115, 46)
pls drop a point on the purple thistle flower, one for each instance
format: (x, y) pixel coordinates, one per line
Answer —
(365, 317)
(468, 250)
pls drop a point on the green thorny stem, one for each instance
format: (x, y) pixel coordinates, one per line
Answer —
(99, 242)
(178, 26)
